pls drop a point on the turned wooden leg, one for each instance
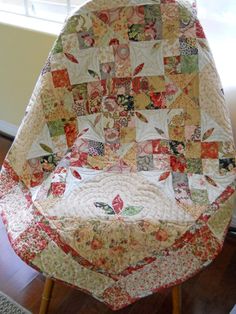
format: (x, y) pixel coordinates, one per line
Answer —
(176, 299)
(46, 297)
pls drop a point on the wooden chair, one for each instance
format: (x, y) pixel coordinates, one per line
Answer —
(49, 284)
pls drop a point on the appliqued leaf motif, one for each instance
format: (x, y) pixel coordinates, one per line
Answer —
(71, 57)
(107, 208)
(46, 148)
(83, 132)
(203, 45)
(97, 119)
(132, 210)
(159, 131)
(76, 174)
(211, 181)
(117, 204)
(141, 117)
(138, 69)
(164, 176)
(93, 74)
(157, 45)
(208, 133)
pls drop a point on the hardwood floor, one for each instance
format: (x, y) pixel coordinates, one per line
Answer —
(213, 291)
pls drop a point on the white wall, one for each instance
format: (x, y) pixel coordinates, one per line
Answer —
(22, 55)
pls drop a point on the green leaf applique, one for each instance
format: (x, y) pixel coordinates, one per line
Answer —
(46, 148)
(132, 210)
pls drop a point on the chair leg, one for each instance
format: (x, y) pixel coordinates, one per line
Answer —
(176, 299)
(46, 297)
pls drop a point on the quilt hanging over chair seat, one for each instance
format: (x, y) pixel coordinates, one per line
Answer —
(121, 178)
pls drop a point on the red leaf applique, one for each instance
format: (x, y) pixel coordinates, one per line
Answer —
(117, 204)
(138, 69)
(211, 181)
(203, 45)
(76, 174)
(141, 117)
(164, 176)
(98, 118)
(207, 134)
(71, 57)
(83, 132)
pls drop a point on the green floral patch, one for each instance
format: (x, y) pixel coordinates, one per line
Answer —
(172, 65)
(185, 16)
(194, 165)
(79, 91)
(72, 25)
(221, 218)
(49, 162)
(80, 96)
(189, 64)
(57, 48)
(136, 32)
(56, 128)
(152, 13)
(199, 197)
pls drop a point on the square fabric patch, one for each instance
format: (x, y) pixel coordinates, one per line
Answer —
(210, 150)
(60, 78)
(199, 196)
(146, 58)
(145, 162)
(87, 69)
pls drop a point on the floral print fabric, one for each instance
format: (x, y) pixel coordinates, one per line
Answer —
(121, 179)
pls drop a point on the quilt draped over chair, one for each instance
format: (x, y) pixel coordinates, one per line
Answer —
(121, 178)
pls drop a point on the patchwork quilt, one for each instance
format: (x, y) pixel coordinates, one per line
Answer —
(121, 179)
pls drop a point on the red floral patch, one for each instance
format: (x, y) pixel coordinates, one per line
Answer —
(161, 235)
(60, 78)
(117, 297)
(37, 179)
(199, 30)
(178, 163)
(58, 188)
(71, 133)
(204, 245)
(140, 84)
(30, 243)
(160, 147)
(210, 150)
(158, 100)
(96, 244)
